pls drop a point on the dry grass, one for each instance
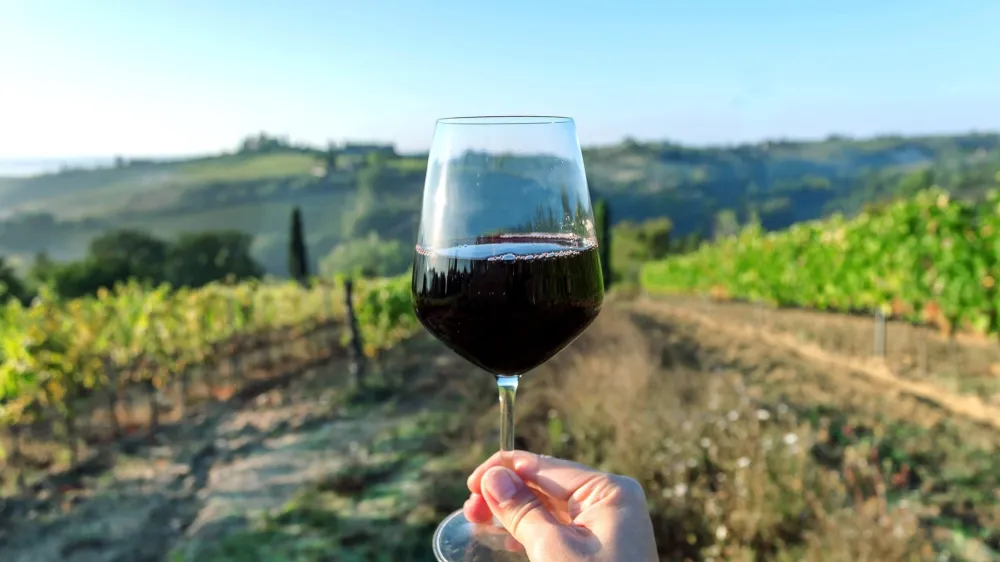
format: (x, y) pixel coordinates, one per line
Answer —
(727, 477)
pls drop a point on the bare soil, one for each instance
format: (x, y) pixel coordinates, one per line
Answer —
(844, 346)
(961, 364)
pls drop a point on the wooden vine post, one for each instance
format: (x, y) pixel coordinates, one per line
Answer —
(235, 371)
(924, 360)
(879, 333)
(154, 404)
(112, 375)
(314, 347)
(355, 350)
(267, 344)
(14, 459)
(66, 404)
(329, 333)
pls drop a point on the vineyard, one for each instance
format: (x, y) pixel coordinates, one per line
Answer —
(60, 360)
(927, 259)
(758, 433)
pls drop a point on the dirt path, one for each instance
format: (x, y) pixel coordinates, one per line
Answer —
(198, 481)
(260, 466)
(217, 474)
(965, 405)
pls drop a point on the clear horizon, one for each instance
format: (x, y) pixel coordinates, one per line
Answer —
(107, 158)
(169, 79)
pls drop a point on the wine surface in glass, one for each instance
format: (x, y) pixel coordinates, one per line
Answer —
(508, 303)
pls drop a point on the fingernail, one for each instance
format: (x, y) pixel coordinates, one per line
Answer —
(502, 484)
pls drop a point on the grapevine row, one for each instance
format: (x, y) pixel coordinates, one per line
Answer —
(55, 353)
(928, 259)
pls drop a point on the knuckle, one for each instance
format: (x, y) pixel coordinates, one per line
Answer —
(520, 512)
(601, 487)
(624, 490)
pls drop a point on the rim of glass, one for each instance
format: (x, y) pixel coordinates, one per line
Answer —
(505, 120)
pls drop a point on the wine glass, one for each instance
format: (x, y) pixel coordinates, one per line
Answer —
(506, 269)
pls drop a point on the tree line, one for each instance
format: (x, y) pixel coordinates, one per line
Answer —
(190, 260)
(197, 259)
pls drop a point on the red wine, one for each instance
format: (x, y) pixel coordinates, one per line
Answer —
(508, 303)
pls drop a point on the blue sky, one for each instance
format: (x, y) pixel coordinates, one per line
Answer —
(159, 77)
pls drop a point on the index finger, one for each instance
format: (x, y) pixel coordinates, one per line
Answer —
(557, 478)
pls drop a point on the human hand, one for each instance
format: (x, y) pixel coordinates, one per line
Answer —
(560, 511)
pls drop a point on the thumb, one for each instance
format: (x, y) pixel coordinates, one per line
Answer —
(520, 511)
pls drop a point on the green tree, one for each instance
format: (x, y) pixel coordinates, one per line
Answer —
(688, 243)
(635, 243)
(84, 277)
(42, 269)
(644, 241)
(11, 286)
(113, 257)
(726, 223)
(132, 253)
(915, 182)
(370, 256)
(298, 260)
(198, 259)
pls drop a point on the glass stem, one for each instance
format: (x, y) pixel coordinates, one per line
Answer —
(508, 390)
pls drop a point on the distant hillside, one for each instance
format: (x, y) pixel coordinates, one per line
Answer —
(784, 182)
(255, 188)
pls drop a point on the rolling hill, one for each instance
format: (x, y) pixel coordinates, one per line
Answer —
(254, 189)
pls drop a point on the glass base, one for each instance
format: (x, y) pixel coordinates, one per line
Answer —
(458, 540)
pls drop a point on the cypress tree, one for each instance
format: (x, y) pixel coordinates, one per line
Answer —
(602, 218)
(298, 261)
